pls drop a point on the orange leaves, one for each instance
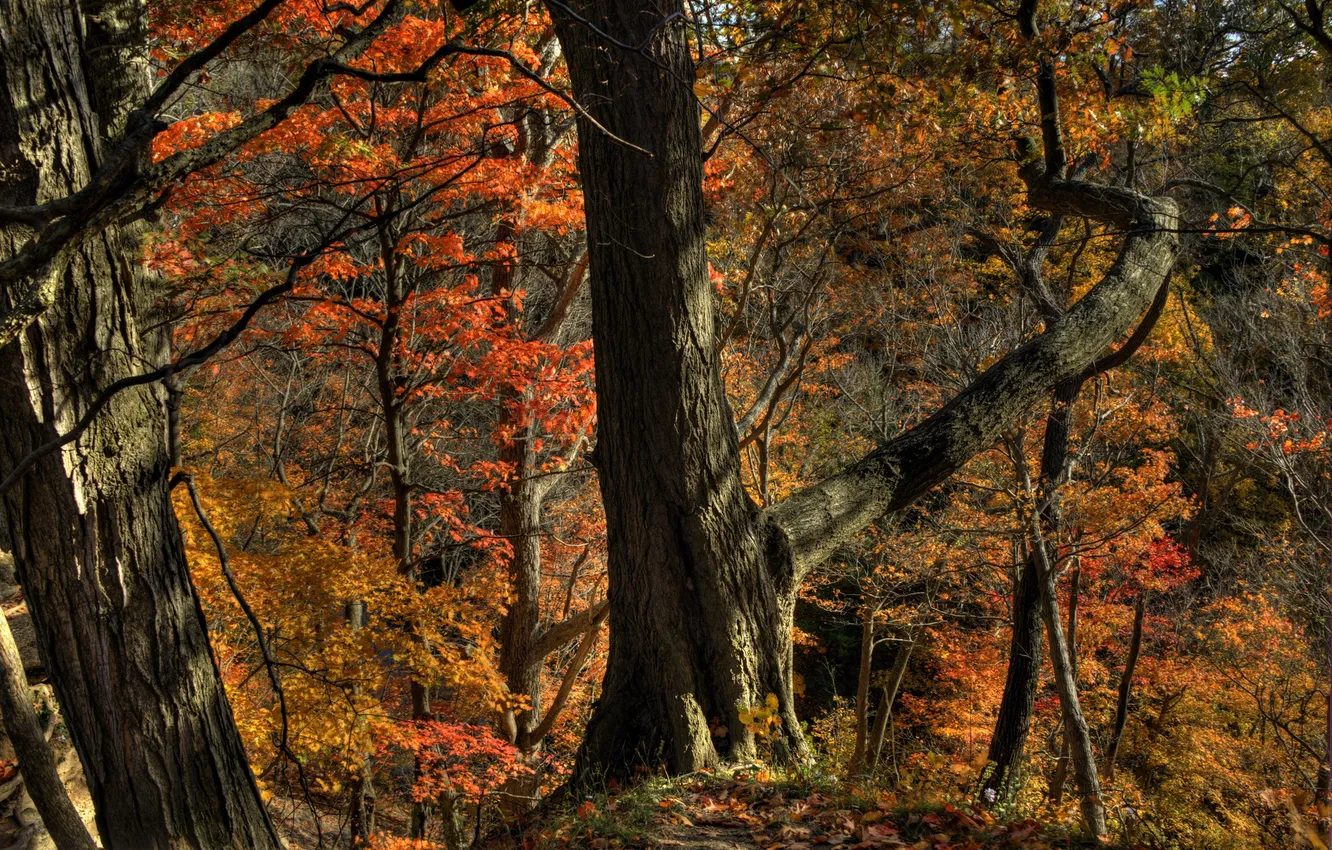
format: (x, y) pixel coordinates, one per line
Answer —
(433, 250)
(191, 132)
(458, 758)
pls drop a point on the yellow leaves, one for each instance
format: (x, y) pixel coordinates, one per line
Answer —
(299, 586)
(763, 721)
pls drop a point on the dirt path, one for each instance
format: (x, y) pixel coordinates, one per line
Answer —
(706, 836)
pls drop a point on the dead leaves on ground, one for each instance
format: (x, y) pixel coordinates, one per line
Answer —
(775, 820)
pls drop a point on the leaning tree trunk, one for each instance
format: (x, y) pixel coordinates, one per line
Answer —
(1077, 734)
(41, 776)
(95, 541)
(699, 630)
(702, 584)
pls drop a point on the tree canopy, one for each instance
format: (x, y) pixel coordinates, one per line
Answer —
(432, 424)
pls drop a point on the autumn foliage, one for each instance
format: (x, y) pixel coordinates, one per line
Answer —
(362, 449)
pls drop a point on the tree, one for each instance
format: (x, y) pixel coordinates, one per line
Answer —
(118, 622)
(701, 582)
(95, 541)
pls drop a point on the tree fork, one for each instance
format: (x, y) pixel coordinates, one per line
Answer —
(702, 583)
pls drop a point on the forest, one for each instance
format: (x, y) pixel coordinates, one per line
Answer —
(547, 424)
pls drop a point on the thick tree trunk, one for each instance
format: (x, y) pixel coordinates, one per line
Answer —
(98, 551)
(700, 629)
(701, 583)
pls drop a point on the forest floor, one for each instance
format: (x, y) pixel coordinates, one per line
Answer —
(749, 810)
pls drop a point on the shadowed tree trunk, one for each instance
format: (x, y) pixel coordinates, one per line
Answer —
(887, 696)
(1077, 735)
(1060, 774)
(1003, 778)
(702, 582)
(867, 644)
(699, 625)
(1126, 686)
(95, 540)
(36, 762)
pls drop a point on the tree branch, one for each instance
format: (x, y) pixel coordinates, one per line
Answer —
(811, 524)
(571, 674)
(566, 630)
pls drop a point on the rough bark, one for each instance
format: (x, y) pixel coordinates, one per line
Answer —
(95, 540)
(699, 628)
(702, 583)
(36, 762)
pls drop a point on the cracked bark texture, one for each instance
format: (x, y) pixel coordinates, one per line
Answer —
(699, 627)
(701, 582)
(95, 539)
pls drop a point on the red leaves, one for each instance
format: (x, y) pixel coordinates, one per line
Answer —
(459, 758)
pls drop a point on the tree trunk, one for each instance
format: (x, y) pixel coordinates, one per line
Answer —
(520, 524)
(699, 628)
(862, 692)
(1011, 727)
(1003, 778)
(1076, 732)
(1060, 775)
(41, 777)
(362, 793)
(701, 582)
(95, 540)
(888, 695)
(1126, 687)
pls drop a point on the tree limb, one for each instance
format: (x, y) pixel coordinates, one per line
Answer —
(812, 523)
(36, 762)
(566, 630)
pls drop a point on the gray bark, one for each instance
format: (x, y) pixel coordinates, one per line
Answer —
(37, 763)
(815, 521)
(94, 537)
(701, 582)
